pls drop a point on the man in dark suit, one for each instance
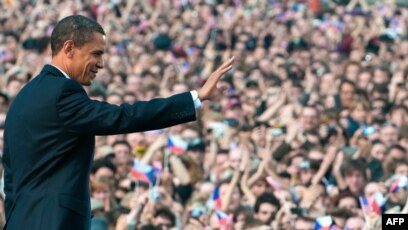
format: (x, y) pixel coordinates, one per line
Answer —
(50, 129)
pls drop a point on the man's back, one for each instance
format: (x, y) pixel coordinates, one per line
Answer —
(53, 164)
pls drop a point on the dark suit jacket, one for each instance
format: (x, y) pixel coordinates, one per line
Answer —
(49, 145)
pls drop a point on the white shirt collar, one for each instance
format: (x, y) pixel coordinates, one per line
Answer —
(65, 74)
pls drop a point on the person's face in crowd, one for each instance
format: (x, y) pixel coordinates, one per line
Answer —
(380, 77)
(259, 54)
(389, 135)
(306, 175)
(87, 60)
(294, 167)
(377, 107)
(135, 139)
(235, 156)
(364, 80)
(309, 118)
(134, 84)
(123, 166)
(259, 134)
(376, 94)
(305, 58)
(359, 113)
(189, 134)
(258, 187)
(372, 188)
(349, 203)
(220, 161)
(326, 83)
(163, 222)
(354, 181)
(121, 151)
(346, 94)
(14, 87)
(404, 142)
(114, 99)
(104, 77)
(399, 117)
(104, 173)
(189, 37)
(352, 72)
(313, 99)
(401, 96)
(355, 223)
(196, 155)
(397, 154)
(103, 194)
(266, 212)
(404, 48)
(238, 80)
(401, 169)
(252, 97)
(301, 224)
(378, 151)
(265, 66)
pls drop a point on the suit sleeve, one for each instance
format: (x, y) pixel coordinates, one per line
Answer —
(79, 114)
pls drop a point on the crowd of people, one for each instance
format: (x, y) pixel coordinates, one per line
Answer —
(311, 128)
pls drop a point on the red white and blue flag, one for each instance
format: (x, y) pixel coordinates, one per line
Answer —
(323, 223)
(400, 182)
(374, 203)
(216, 198)
(224, 220)
(143, 172)
(176, 145)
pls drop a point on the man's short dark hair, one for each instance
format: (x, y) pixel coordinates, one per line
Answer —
(167, 213)
(266, 197)
(77, 28)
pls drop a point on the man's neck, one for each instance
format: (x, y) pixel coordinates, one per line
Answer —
(60, 66)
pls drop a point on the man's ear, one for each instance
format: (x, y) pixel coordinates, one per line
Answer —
(68, 48)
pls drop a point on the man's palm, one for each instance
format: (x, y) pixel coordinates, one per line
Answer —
(207, 91)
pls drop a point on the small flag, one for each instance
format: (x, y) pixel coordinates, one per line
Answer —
(364, 204)
(400, 182)
(217, 198)
(374, 203)
(142, 172)
(378, 202)
(176, 145)
(158, 165)
(224, 219)
(323, 223)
